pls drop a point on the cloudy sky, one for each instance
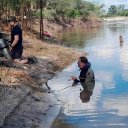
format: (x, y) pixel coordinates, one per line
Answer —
(111, 2)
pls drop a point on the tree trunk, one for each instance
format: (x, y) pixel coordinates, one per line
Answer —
(41, 19)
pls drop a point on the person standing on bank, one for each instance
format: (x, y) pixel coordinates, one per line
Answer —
(86, 77)
(16, 47)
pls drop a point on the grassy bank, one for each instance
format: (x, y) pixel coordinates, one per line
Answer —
(61, 55)
(49, 58)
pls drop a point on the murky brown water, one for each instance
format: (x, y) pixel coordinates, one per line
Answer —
(107, 107)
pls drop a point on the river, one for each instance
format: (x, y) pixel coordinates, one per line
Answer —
(107, 107)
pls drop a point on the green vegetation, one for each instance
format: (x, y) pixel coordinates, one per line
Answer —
(70, 9)
(64, 9)
(119, 10)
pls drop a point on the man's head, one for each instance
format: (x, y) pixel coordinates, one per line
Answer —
(82, 62)
(12, 20)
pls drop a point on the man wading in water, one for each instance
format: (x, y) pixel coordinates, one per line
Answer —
(86, 78)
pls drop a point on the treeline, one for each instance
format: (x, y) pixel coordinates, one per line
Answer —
(18, 8)
(119, 10)
(70, 9)
(64, 9)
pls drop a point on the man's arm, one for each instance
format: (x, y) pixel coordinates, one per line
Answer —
(74, 79)
(16, 39)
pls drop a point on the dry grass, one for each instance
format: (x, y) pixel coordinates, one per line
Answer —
(10, 76)
(61, 55)
(14, 77)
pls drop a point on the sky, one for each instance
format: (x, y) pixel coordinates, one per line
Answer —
(110, 2)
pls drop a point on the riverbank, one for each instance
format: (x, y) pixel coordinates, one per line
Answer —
(25, 100)
(112, 19)
(54, 27)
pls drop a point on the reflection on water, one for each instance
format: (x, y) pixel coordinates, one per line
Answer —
(85, 96)
(77, 38)
(107, 107)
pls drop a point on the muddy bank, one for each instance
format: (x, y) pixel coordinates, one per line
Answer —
(25, 100)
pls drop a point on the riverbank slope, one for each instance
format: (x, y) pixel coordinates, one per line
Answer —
(25, 100)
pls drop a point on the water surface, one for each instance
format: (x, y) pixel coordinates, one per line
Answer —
(107, 107)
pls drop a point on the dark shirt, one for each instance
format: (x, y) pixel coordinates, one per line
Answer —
(83, 73)
(17, 31)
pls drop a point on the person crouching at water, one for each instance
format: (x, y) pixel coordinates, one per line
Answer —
(86, 77)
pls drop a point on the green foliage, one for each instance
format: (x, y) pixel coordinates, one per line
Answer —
(112, 11)
(73, 13)
(60, 9)
(72, 8)
(15, 5)
(117, 10)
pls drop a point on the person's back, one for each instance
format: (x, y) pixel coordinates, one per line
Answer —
(16, 47)
(89, 82)
(17, 31)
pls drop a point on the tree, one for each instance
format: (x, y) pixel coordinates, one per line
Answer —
(112, 10)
